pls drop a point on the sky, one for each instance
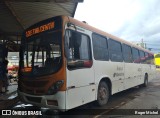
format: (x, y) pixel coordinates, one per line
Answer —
(131, 20)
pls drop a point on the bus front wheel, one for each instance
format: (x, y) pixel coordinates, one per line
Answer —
(103, 94)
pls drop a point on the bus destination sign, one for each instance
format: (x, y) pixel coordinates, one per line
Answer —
(40, 29)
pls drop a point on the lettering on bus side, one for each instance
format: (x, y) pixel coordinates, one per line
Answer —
(118, 74)
(40, 29)
(119, 68)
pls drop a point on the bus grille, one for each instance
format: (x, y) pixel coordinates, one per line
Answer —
(35, 83)
(34, 99)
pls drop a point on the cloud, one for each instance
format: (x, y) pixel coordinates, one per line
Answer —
(131, 20)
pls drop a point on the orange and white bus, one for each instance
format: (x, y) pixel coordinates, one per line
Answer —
(65, 63)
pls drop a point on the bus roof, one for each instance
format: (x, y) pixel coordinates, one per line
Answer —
(93, 29)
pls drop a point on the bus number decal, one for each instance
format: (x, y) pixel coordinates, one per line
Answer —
(118, 74)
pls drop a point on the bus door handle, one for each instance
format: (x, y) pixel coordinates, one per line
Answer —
(120, 78)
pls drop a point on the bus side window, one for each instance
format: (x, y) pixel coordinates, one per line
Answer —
(115, 51)
(142, 56)
(77, 50)
(77, 46)
(151, 59)
(136, 57)
(147, 58)
(127, 53)
(100, 48)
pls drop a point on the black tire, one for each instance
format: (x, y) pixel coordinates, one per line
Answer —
(103, 94)
(145, 84)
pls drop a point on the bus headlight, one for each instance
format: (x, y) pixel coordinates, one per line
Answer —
(55, 87)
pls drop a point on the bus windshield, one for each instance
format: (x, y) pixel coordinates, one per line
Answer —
(42, 54)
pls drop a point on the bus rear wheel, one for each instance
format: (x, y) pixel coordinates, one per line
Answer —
(145, 80)
(103, 94)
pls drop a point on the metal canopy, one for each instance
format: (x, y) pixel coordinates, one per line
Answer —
(17, 15)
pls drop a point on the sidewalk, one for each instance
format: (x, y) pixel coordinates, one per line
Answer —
(11, 89)
(10, 97)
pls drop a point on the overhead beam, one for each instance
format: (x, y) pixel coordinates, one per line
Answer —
(74, 9)
(13, 13)
(74, 1)
(64, 8)
(10, 33)
(57, 1)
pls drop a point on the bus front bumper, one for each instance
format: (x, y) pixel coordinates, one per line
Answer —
(56, 101)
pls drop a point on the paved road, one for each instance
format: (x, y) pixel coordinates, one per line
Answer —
(140, 99)
(119, 104)
(137, 101)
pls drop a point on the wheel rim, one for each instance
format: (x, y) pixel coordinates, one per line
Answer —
(146, 82)
(103, 93)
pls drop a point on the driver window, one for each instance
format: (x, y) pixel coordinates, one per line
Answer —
(77, 46)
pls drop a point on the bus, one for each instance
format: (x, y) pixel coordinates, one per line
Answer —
(65, 63)
(157, 60)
